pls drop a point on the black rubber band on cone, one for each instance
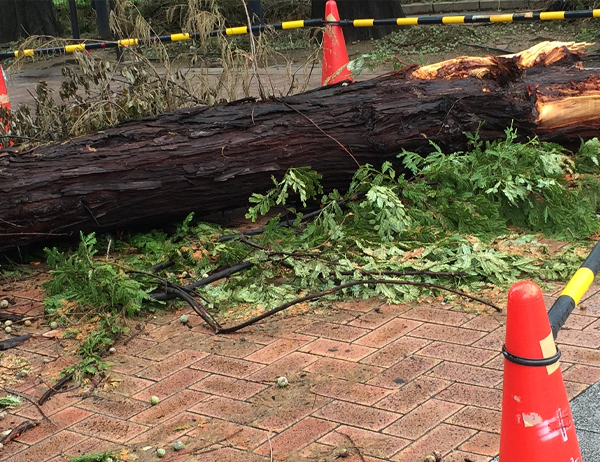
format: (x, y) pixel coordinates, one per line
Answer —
(531, 362)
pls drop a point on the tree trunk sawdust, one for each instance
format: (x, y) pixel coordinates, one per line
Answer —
(211, 159)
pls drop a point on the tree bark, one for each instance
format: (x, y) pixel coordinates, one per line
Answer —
(363, 9)
(210, 159)
(21, 18)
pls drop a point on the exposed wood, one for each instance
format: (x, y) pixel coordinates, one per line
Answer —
(13, 342)
(210, 159)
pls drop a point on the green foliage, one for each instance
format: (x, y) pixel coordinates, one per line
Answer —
(99, 289)
(92, 283)
(10, 401)
(301, 181)
(95, 457)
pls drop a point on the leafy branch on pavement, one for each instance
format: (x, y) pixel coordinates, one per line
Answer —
(469, 222)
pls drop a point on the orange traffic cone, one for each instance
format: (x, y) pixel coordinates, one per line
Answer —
(335, 55)
(4, 102)
(536, 418)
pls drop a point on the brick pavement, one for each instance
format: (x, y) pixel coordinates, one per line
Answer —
(368, 382)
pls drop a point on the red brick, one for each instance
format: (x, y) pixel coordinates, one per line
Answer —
(56, 403)
(477, 418)
(334, 331)
(171, 429)
(578, 355)
(574, 389)
(493, 341)
(160, 351)
(90, 445)
(171, 365)
(314, 451)
(127, 364)
(225, 455)
(165, 332)
(172, 384)
(295, 438)
(587, 338)
(432, 315)
(443, 439)
(140, 345)
(472, 395)
(467, 374)
(113, 405)
(583, 374)
(385, 334)
(277, 350)
(290, 366)
(457, 353)
(403, 372)
(11, 449)
(374, 319)
(61, 420)
(227, 346)
(227, 366)
(239, 436)
(127, 385)
(447, 334)
(461, 456)
(48, 448)
(413, 394)
(370, 443)
(108, 428)
(363, 305)
(339, 369)
(485, 322)
(224, 408)
(278, 409)
(228, 387)
(395, 352)
(339, 350)
(483, 443)
(348, 391)
(169, 407)
(422, 419)
(10, 421)
(577, 322)
(358, 416)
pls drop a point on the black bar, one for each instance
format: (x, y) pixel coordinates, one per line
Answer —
(560, 312)
(74, 22)
(579, 14)
(430, 20)
(592, 262)
(385, 22)
(102, 19)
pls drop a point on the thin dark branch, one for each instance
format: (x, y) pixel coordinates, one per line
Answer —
(162, 266)
(31, 400)
(405, 273)
(203, 282)
(53, 390)
(198, 308)
(19, 430)
(229, 330)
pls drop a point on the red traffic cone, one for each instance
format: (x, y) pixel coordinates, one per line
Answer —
(335, 55)
(4, 101)
(537, 425)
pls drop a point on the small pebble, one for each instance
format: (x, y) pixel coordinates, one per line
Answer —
(2, 415)
(178, 445)
(154, 400)
(112, 350)
(4, 304)
(282, 382)
(8, 323)
(8, 330)
(183, 319)
(160, 452)
(53, 325)
(27, 323)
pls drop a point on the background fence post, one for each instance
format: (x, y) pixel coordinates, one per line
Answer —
(256, 12)
(101, 7)
(74, 22)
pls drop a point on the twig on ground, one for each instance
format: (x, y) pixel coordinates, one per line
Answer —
(53, 390)
(19, 430)
(13, 342)
(354, 446)
(229, 330)
(31, 400)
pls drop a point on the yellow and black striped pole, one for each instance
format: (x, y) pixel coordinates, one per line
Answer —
(575, 289)
(299, 24)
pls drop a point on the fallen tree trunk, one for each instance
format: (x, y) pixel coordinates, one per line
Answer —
(210, 159)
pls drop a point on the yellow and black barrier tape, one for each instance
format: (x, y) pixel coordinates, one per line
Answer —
(299, 24)
(574, 290)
